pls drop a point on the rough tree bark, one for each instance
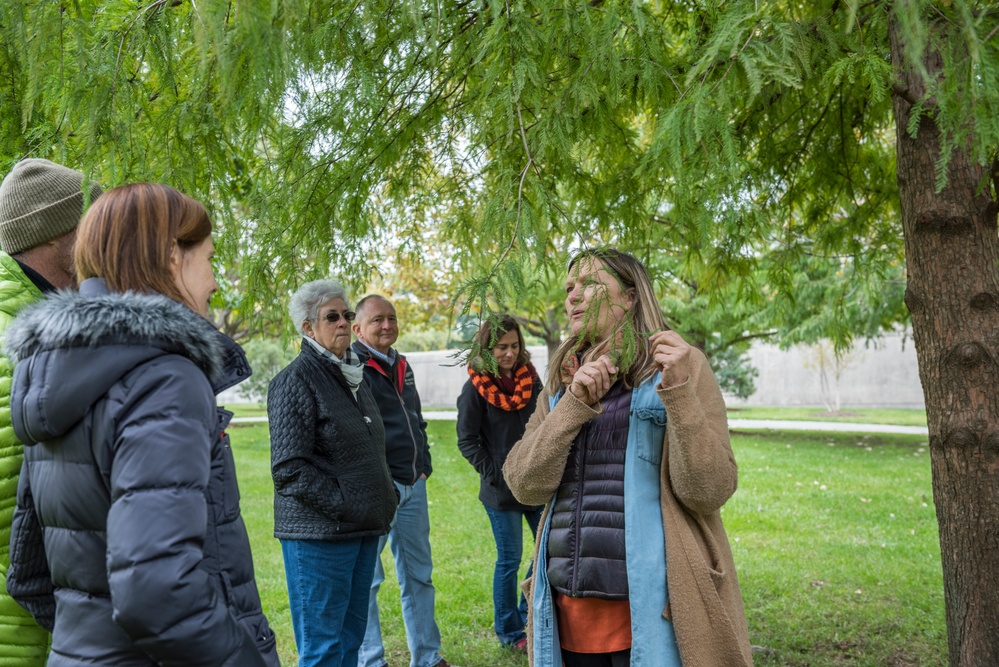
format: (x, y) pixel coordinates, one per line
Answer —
(952, 259)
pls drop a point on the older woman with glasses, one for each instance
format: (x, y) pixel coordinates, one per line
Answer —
(333, 495)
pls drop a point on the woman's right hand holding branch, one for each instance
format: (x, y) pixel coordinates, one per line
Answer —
(593, 380)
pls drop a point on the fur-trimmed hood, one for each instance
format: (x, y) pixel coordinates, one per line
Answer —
(73, 346)
(95, 316)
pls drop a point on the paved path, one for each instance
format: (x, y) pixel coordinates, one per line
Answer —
(846, 427)
(755, 424)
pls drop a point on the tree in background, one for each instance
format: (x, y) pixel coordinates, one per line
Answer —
(830, 364)
(267, 357)
(746, 140)
(421, 282)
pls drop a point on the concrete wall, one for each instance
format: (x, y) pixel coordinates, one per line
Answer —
(883, 375)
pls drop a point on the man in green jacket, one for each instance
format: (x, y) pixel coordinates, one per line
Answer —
(40, 205)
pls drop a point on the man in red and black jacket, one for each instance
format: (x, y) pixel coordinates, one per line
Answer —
(407, 451)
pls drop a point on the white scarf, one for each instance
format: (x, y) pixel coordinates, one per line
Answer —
(349, 365)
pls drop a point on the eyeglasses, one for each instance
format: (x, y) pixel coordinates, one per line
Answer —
(333, 317)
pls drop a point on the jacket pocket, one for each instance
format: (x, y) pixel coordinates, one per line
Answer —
(229, 486)
(651, 422)
(713, 561)
(264, 638)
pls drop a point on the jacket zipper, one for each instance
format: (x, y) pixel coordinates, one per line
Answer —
(405, 413)
(579, 512)
(412, 436)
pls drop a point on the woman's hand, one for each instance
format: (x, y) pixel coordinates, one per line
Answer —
(672, 355)
(593, 380)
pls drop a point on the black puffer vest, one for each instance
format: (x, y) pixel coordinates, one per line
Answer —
(586, 554)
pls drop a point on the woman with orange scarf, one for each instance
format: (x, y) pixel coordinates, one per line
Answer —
(493, 410)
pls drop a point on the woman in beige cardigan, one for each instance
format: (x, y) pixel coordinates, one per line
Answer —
(629, 451)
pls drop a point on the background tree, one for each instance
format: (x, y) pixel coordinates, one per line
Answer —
(745, 139)
(267, 357)
(830, 364)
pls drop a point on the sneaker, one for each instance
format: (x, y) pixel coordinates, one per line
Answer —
(443, 663)
(519, 646)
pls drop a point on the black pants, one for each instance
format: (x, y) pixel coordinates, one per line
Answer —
(615, 659)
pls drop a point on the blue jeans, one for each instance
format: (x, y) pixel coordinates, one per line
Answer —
(410, 541)
(328, 584)
(509, 616)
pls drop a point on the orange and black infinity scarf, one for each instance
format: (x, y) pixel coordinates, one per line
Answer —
(505, 393)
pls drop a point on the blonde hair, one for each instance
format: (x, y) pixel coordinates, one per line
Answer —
(127, 236)
(629, 345)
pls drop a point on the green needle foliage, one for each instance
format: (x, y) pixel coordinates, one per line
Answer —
(746, 149)
(741, 140)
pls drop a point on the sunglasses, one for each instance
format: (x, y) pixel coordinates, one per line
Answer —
(333, 317)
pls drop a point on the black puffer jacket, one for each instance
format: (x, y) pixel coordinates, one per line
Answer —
(327, 454)
(128, 539)
(486, 434)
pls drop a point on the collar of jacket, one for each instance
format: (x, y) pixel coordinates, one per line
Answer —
(368, 359)
(95, 316)
(14, 279)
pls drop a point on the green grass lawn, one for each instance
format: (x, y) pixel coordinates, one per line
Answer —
(899, 416)
(834, 537)
(247, 409)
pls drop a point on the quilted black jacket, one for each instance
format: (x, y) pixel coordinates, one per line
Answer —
(586, 556)
(327, 454)
(128, 540)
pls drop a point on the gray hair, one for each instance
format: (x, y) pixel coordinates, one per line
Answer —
(306, 301)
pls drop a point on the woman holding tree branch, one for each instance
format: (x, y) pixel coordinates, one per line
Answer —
(629, 450)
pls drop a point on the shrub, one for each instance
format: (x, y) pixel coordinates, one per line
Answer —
(267, 357)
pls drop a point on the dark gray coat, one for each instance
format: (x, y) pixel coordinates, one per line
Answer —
(128, 541)
(331, 481)
(486, 434)
(407, 448)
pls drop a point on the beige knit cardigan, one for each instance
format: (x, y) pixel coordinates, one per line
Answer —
(698, 476)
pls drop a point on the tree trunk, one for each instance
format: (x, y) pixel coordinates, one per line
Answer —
(952, 255)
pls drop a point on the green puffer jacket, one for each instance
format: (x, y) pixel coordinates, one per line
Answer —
(23, 643)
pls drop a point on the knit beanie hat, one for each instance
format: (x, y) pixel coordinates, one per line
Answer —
(40, 201)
